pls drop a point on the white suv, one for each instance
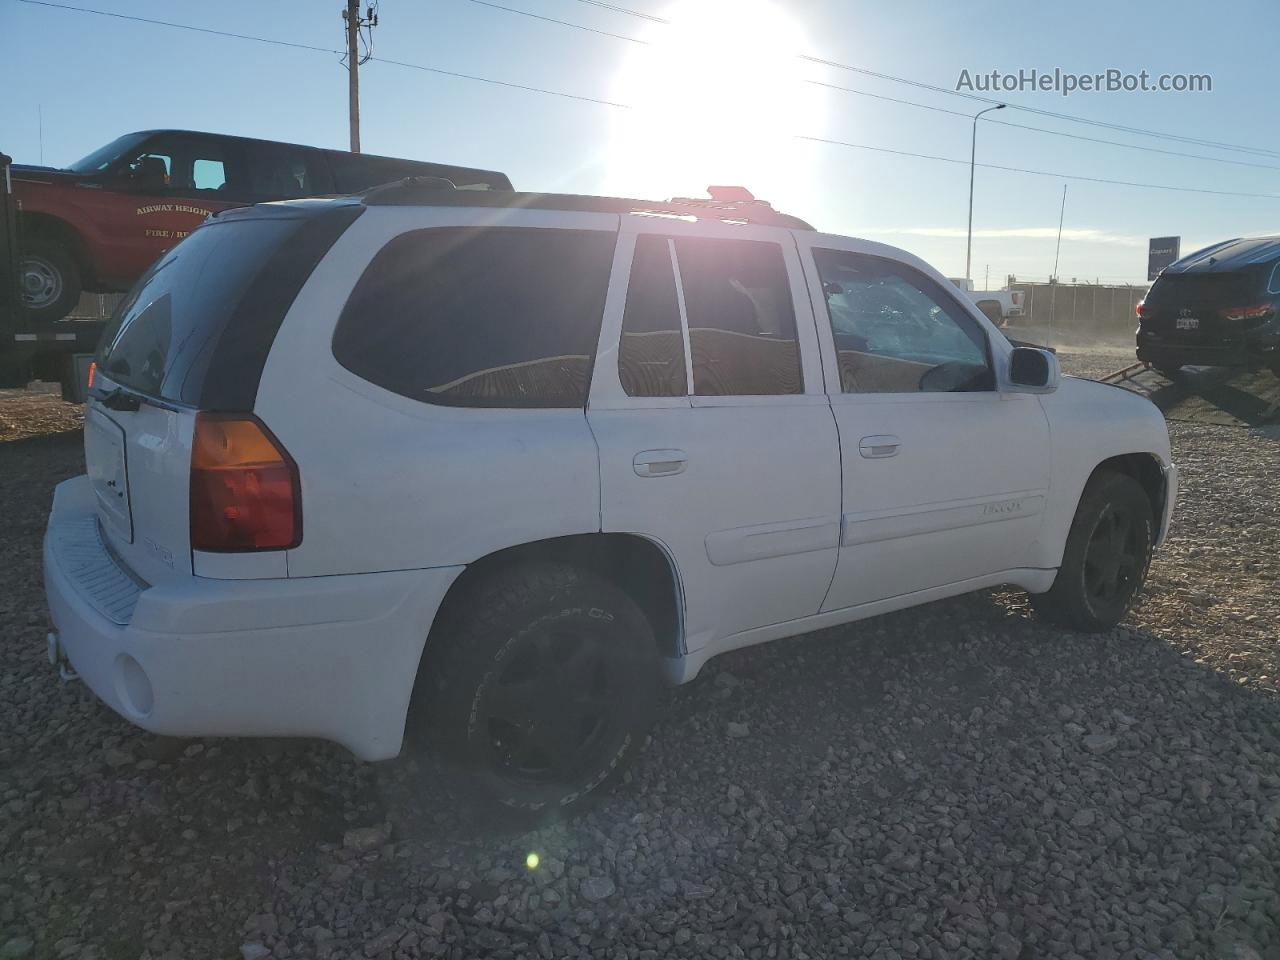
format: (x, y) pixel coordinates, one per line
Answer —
(497, 464)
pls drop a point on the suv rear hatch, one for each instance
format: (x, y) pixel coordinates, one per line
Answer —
(1202, 306)
(193, 335)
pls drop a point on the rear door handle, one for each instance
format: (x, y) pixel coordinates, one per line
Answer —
(879, 446)
(659, 463)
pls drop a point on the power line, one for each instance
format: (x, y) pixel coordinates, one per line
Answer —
(835, 64)
(880, 96)
(1053, 133)
(502, 83)
(184, 26)
(563, 23)
(610, 103)
(1041, 173)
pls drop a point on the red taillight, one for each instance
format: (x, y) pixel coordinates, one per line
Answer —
(93, 372)
(1142, 310)
(1247, 313)
(245, 493)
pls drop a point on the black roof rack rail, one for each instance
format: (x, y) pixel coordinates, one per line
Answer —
(438, 191)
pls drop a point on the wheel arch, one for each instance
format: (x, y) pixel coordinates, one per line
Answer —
(638, 565)
(38, 224)
(1147, 470)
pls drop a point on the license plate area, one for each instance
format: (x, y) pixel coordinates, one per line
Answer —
(104, 454)
(1188, 323)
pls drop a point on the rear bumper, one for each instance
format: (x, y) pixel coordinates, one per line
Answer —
(1259, 347)
(329, 657)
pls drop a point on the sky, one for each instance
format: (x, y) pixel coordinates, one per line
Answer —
(717, 95)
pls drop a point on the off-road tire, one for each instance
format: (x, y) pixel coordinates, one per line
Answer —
(500, 625)
(1073, 601)
(53, 260)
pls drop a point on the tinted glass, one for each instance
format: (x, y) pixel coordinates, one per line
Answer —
(194, 166)
(651, 351)
(104, 157)
(896, 331)
(480, 317)
(280, 172)
(173, 316)
(353, 173)
(742, 326)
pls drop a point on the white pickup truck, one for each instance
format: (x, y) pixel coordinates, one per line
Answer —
(999, 306)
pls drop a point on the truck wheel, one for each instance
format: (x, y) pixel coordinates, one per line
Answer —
(49, 279)
(544, 681)
(1106, 557)
(1169, 371)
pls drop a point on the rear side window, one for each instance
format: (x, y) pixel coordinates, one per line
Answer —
(197, 327)
(491, 317)
(742, 326)
(651, 351)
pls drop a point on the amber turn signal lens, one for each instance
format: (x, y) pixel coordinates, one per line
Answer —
(245, 493)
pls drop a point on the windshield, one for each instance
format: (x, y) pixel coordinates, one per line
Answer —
(104, 157)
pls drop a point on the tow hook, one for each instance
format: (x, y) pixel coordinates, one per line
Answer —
(58, 658)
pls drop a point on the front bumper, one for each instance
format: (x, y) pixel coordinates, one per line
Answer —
(329, 657)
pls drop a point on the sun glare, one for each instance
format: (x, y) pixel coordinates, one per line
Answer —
(717, 97)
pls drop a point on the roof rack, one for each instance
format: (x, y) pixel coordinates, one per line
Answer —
(438, 191)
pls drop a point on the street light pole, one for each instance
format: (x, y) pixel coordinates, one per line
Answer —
(973, 153)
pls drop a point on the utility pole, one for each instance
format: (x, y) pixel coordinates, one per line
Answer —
(354, 24)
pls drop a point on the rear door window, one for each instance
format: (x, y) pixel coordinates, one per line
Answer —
(651, 359)
(492, 317)
(742, 325)
(279, 171)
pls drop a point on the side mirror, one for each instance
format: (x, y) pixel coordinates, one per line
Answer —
(1032, 370)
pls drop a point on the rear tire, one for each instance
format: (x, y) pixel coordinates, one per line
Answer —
(1169, 371)
(543, 682)
(1105, 561)
(49, 280)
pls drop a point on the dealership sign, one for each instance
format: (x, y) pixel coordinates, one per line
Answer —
(1161, 252)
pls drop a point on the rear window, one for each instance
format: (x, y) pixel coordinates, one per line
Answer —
(1224, 288)
(196, 329)
(492, 317)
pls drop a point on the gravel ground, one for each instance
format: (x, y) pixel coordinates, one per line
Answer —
(953, 781)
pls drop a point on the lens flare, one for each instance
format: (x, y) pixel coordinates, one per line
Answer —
(717, 96)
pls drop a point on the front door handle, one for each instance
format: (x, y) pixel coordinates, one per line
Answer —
(879, 446)
(659, 463)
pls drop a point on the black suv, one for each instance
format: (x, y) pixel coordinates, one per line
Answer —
(1219, 306)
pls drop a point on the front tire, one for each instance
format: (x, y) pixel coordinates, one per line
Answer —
(49, 280)
(544, 681)
(1105, 561)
